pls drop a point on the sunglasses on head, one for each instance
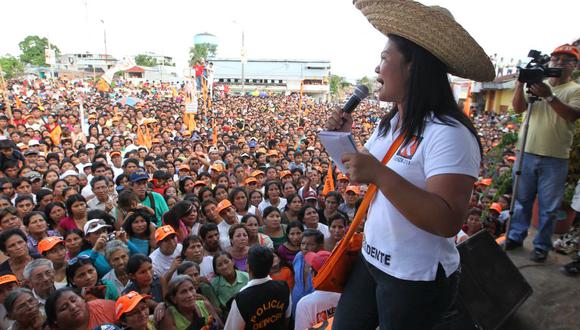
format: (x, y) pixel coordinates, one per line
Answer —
(75, 260)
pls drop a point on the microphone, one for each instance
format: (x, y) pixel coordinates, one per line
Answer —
(360, 92)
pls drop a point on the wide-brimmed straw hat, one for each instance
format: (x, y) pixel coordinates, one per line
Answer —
(433, 28)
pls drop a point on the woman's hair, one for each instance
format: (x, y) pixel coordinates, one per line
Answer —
(182, 182)
(6, 234)
(336, 195)
(269, 184)
(337, 216)
(49, 208)
(26, 219)
(270, 209)
(247, 217)
(215, 258)
(303, 212)
(135, 262)
(318, 236)
(12, 296)
(427, 91)
(126, 198)
(294, 224)
(235, 227)
(8, 210)
(173, 286)
(206, 203)
(180, 210)
(138, 213)
(101, 214)
(289, 200)
(219, 186)
(50, 307)
(187, 242)
(185, 265)
(232, 196)
(114, 246)
(71, 200)
(71, 269)
(255, 192)
(202, 191)
(41, 194)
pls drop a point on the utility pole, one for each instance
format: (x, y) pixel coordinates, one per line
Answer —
(243, 60)
(105, 41)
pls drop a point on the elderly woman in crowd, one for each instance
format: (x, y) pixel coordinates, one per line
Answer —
(13, 244)
(22, 307)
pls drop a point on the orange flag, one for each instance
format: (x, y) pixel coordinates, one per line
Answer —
(467, 103)
(102, 86)
(329, 182)
(55, 135)
(140, 136)
(215, 134)
(148, 142)
(18, 102)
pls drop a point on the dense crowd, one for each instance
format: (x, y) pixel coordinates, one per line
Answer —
(142, 217)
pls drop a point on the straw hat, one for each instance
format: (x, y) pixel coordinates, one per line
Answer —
(433, 28)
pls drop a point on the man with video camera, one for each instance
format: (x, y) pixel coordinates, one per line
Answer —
(547, 150)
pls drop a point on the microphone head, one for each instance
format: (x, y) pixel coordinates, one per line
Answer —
(361, 91)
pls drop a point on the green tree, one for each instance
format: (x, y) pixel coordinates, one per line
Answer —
(32, 48)
(11, 66)
(145, 60)
(370, 83)
(201, 52)
(337, 83)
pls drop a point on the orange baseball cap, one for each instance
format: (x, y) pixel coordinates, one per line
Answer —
(284, 174)
(8, 278)
(341, 176)
(495, 207)
(567, 49)
(223, 205)
(48, 243)
(272, 153)
(354, 189)
(127, 303)
(183, 167)
(162, 232)
(250, 180)
(511, 158)
(199, 183)
(483, 182)
(115, 153)
(257, 172)
(217, 167)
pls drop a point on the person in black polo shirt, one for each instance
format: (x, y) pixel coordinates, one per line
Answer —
(262, 303)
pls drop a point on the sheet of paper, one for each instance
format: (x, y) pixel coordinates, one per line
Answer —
(337, 144)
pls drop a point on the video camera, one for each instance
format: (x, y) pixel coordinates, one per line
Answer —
(537, 69)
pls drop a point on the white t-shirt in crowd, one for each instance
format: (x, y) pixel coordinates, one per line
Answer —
(206, 267)
(315, 308)
(392, 243)
(265, 203)
(224, 228)
(161, 263)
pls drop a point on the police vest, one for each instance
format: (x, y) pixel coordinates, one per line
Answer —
(264, 306)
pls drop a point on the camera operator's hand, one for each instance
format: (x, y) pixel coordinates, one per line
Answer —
(100, 243)
(541, 90)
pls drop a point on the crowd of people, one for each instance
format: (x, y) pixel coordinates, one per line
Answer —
(138, 217)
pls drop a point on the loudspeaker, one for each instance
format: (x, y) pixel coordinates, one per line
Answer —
(491, 288)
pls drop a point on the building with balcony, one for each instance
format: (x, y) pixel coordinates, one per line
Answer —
(274, 75)
(88, 62)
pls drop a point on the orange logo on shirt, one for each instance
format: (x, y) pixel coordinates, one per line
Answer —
(407, 151)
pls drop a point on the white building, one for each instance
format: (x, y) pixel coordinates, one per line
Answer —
(86, 62)
(161, 59)
(272, 75)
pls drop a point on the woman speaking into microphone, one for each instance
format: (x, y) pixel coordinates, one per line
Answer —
(407, 275)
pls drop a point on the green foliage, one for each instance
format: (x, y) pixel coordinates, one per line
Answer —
(370, 83)
(337, 83)
(145, 60)
(11, 66)
(201, 52)
(32, 48)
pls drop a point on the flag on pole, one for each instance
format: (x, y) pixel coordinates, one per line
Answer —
(56, 134)
(140, 136)
(102, 86)
(467, 103)
(328, 182)
(300, 96)
(214, 133)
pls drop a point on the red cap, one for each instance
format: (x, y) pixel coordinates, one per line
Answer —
(317, 259)
(495, 207)
(567, 49)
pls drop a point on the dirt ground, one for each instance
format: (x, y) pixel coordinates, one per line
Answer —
(555, 303)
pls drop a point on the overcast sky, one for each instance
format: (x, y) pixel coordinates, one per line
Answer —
(293, 29)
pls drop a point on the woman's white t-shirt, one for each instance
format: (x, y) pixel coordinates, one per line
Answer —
(392, 243)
